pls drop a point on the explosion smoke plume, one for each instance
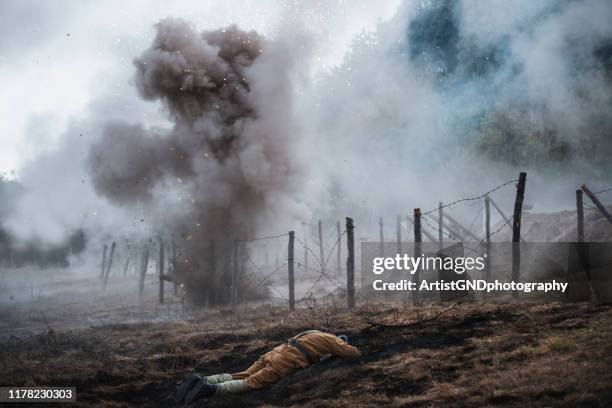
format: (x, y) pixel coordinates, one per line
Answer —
(226, 166)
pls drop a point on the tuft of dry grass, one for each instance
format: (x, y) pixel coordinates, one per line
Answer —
(561, 345)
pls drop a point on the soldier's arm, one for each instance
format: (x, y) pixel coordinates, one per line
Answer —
(341, 349)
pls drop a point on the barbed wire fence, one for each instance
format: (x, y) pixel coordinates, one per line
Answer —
(251, 275)
(445, 232)
(323, 265)
(258, 277)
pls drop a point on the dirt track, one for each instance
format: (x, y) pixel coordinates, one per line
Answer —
(472, 355)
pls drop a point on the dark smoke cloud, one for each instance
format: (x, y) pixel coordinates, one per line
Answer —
(139, 159)
(201, 79)
(226, 159)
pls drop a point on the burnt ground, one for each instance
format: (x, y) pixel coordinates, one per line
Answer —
(503, 354)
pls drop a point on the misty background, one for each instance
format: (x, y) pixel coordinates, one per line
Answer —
(370, 110)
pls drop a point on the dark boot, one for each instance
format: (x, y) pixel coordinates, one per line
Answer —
(186, 386)
(200, 390)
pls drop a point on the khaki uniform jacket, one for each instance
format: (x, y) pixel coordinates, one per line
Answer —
(285, 359)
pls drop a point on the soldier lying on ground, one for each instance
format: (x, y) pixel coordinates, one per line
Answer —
(299, 352)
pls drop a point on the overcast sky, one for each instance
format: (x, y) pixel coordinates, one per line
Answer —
(58, 57)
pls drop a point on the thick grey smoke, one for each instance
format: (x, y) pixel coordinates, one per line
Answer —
(226, 167)
(446, 99)
(450, 98)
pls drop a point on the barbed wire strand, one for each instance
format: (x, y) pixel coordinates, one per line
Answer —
(262, 238)
(470, 198)
(310, 251)
(255, 266)
(266, 277)
(605, 190)
(309, 291)
(329, 277)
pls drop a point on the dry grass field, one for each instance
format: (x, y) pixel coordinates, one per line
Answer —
(498, 354)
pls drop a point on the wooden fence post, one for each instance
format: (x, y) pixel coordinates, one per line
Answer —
(339, 249)
(429, 235)
(350, 263)
(597, 203)
(305, 249)
(160, 270)
(290, 270)
(398, 233)
(234, 288)
(244, 257)
(321, 252)
(128, 255)
(516, 230)
(487, 276)
(417, 252)
(381, 236)
(440, 226)
(110, 263)
(212, 269)
(144, 265)
(103, 270)
(580, 215)
(174, 267)
(126, 265)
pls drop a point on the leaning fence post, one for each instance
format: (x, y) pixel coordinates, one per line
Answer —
(350, 263)
(290, 270)
(103, 262)
(110, 263)
(516, 230)
(462, 230)
(597, 203)
(440, 227)
(417, 252)
(580, 215)
(160, 270)
(128, 255)
(581, 248)
(144, 265)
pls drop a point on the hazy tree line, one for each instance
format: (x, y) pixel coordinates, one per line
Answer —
(14, 253)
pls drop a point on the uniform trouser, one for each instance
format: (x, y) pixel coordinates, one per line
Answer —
(271, 367)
